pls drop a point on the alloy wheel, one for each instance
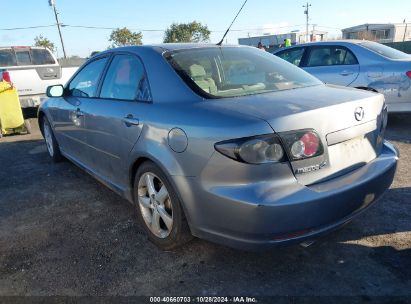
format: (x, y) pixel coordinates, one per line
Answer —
(48, 138)
(155, 205)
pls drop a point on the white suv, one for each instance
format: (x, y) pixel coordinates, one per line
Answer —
(32, 70)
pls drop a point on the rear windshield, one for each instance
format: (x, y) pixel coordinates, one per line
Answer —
(236, 71)
(385, 51)
(21, 57)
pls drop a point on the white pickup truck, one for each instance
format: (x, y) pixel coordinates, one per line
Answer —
(32, 70)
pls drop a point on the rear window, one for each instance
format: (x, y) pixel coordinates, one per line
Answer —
(21, 57)
(236, 71)
(385, 51)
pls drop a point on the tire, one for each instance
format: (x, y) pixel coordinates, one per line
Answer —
(160, 213)
(51, 142)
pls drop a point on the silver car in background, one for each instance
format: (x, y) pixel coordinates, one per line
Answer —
(359, 64)
(229, 144)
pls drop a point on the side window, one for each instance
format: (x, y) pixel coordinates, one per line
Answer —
(41, 56)
(85, 82)
(7, 58)
(126, 79)
(293, 56)
(330, 55)
(23, 57)
(350, 58)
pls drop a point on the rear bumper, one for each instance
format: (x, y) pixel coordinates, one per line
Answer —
(261, 215)
(30, 101)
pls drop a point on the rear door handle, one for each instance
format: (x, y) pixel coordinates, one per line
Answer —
(346, 73)
(129, 120)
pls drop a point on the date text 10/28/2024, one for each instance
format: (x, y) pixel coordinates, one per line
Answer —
(204, 299)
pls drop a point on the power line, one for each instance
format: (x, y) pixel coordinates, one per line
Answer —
(143, 30)
(25, 28)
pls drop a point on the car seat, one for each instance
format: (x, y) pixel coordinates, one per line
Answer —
(199, 76)
(326, 60)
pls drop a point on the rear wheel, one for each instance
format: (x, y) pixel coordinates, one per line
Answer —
(51, 143)
(159, 208)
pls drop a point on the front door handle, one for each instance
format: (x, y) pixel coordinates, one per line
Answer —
(129, 120)
(79, 113)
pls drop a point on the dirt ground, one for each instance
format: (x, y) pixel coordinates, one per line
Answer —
(64, 233)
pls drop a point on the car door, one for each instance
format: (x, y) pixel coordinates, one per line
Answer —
(332, 64)
(115, 120)
(293, 55)
(69, 120)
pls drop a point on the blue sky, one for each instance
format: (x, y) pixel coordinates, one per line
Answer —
(258, 16)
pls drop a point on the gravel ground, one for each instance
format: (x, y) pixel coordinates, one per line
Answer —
(63, 233)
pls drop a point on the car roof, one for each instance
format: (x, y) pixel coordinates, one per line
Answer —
(332, 42)
(164, 47)
(22, 47)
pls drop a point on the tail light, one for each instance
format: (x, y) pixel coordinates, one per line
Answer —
(253, 150)
(6, 76)
(302, 144)
(408, 74)
(273, 148)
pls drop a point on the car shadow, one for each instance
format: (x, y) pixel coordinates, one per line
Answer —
(399, 128)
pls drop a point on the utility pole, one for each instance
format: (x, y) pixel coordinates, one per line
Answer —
(52, 3)
(313, 33)
(306, 12)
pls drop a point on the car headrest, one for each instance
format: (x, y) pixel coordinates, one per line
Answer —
(197, 71)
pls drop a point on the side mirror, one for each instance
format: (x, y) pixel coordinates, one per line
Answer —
(55, 91)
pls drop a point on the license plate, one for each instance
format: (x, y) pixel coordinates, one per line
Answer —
(358, 149)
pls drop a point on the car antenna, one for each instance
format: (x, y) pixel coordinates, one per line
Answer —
(226, 32)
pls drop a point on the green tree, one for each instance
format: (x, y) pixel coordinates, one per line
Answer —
(187, 32)
(44, 42)
(123, 36)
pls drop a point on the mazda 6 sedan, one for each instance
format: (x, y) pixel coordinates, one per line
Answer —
(359, 64)
(229, 144)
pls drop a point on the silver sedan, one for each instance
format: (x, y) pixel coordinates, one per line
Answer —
(229, 144)
(360, 64)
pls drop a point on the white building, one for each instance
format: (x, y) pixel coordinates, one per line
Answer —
(277, 39)
(383, 33)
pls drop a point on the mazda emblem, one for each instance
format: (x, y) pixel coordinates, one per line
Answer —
(359, 113)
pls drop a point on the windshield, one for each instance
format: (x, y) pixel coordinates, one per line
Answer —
(385, 51)
(236, 71)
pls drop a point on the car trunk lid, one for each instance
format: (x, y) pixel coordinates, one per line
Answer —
(350, 139)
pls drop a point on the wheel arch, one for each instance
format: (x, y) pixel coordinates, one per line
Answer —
(40, 117)
(367, 89)
(138, 161)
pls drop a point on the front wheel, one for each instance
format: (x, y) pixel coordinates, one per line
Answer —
(51, 143)
(159, 208)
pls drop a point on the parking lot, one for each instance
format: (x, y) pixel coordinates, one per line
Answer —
(64, 233)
